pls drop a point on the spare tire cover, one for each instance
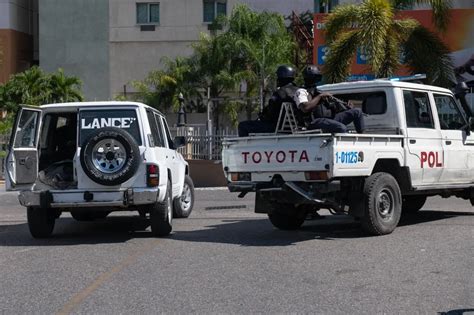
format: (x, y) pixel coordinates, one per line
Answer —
(110, 156)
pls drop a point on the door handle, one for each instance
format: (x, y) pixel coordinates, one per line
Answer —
(448, 142)
(22, 161)
(412, 141)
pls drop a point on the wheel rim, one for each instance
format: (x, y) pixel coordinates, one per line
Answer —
(385, 204)
(186, 197)
(108, 156)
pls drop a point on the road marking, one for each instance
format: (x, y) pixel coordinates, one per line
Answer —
(24, 250)
(100, 280)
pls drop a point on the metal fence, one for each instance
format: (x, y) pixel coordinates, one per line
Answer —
(202, 145)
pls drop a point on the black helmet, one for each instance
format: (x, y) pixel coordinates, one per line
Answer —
(312, 74)
(285, 72)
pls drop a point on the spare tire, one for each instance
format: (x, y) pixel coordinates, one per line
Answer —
(110, 156)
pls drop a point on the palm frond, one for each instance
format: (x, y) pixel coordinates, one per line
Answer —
(339, 57)
(376, 19)
(426, 53)
(343, 18)
(441, 14)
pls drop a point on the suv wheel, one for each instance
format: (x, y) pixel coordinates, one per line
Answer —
(110, 156)
(183, 205)
(161, 215)
(40, 221)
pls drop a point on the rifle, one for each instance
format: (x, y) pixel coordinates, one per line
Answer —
(336, 104)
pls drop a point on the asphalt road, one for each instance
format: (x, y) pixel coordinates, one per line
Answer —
(226, 259)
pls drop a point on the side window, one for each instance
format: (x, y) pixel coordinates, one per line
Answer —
(154, 130)
(26, 129)
(373, 103)
(161, 136)
(450, 116)
(168, 135)
(417, 110)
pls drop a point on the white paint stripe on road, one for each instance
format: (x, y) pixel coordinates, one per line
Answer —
(24, 250)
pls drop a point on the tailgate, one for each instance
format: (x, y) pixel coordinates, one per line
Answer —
(277, 154)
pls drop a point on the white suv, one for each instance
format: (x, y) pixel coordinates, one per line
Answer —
(94, 158)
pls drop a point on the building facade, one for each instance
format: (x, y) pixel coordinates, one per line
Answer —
(18, 27)
(110, 43)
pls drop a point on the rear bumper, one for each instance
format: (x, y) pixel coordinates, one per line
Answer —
(82, 199)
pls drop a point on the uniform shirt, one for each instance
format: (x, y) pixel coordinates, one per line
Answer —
(301, 96)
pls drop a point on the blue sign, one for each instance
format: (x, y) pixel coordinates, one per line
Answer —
(362, 56)
(322, 51)
(361, 77)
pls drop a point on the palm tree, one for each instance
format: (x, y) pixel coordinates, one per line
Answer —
(258, 42)
(161, 88)
(63, 88)
(373, 26)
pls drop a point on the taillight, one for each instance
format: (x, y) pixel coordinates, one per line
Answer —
(316, 175)
(152, 175)
(240, 177)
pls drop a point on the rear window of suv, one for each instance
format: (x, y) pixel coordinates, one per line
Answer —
(91, 120)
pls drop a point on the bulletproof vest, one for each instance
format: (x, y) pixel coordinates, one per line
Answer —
(284, 94)
(323, 110)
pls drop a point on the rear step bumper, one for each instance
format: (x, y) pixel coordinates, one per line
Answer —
(83, 199)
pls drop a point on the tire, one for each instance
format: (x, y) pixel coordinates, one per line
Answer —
(89, 215)
(161, 215)
(412, 204)
(382, 206)
(40, 221)
(286, 216)
(183, 205)
(110, 156)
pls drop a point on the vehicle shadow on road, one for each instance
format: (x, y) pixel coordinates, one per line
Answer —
(260, 232)
(118, 229)
(425, 216)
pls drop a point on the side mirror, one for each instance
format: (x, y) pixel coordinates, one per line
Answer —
(179, 142)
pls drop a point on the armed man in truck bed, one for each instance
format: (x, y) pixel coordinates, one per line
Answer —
(328, 113)
(268, 118)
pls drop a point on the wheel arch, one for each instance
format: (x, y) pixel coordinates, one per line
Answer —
(393, 167)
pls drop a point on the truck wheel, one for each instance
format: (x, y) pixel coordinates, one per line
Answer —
(40, 221)
(382, 204)
(287, 216)
(183, 205)
(411, 204)
(161, 215)
(110, 156)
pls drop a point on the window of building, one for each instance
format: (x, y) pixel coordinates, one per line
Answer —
(213, 8)
(325, 6)
(148, 13)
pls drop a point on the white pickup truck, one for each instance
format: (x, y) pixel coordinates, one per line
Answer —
(418, 143)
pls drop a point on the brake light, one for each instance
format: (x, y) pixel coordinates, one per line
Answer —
(316, 175)
(240, 177)
(152, 175)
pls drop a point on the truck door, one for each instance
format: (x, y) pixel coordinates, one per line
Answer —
(458, 146)
(21, 167)
(425, 150)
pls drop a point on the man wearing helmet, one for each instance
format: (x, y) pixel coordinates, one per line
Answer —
(268, 118)
(324, 117)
